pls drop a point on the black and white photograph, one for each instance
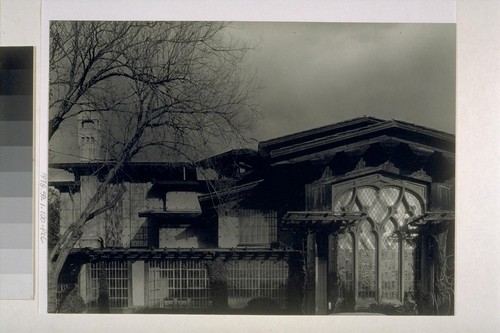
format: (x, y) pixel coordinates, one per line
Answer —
(251, 168)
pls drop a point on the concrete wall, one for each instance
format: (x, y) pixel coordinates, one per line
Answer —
(228, 230)
(67, 212)
(134, 200)
(95, 228)
(138, 284)
(178, 237)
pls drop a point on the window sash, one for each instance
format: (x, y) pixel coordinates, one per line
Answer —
(178, 284)
(117, 276)
(250, 279)
(257, 227)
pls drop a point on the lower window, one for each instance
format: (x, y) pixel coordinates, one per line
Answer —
(252, 279)
(178, 284)
(117, 277)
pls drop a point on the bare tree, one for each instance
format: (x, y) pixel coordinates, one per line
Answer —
(171, 87)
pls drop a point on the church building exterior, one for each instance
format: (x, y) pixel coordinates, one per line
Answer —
(357, 216)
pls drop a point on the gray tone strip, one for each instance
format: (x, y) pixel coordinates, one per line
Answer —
(16, 133)
(16, 210)
(16, 82)
(16, 159)
(16, 57)
(16, 236)
(16, 184)
(16, 286)
(16, 107)
(16, 261)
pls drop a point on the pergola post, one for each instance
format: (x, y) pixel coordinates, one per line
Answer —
(321, 288)
(310, 302)
(316, 227)
(436, 249)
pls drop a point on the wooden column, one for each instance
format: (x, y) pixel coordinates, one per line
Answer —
(332, 284)
(295, 284)
(426, 287)
(443, 283)
(321, 291)
(310, 299)
(138, 281)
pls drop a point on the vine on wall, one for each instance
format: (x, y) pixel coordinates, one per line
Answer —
(217, 275)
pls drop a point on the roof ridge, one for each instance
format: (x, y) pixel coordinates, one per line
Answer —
(320, 129)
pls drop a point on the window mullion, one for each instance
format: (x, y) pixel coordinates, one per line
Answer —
(402, 266)
(378, 264)
(355, 266)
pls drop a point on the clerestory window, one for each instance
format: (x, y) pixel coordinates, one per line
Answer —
(256, 227)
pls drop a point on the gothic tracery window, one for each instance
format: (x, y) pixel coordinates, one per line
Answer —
(376, 255)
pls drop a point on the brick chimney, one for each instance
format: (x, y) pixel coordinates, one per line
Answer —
(89, 136)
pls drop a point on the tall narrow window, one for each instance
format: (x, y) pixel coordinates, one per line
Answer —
(410, 269)
(345, 263)
(390, 263)
(367, 262)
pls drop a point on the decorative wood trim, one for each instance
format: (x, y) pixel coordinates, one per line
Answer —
(385, 170)
(114, 254)
(346, 136)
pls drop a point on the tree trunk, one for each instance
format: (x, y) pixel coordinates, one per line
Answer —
(51, 291)
(69, 239)
(54, 269)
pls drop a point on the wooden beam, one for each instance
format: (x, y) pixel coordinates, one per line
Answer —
(86, 255)
(433, 218)
(310, 273)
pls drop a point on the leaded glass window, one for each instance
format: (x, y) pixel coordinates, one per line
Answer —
(381, 267)
(390, 263)
(367, 262)
(345, 263)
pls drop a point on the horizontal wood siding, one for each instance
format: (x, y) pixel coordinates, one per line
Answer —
(228, 230)
(443, 197)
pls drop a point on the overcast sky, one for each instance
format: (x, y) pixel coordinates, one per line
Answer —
(315, 74)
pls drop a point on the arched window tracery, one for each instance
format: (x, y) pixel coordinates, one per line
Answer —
(378, 251)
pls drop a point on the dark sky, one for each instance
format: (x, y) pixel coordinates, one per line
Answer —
(314, 74)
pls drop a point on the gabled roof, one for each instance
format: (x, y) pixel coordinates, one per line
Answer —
(319, 132)
(352, 134)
